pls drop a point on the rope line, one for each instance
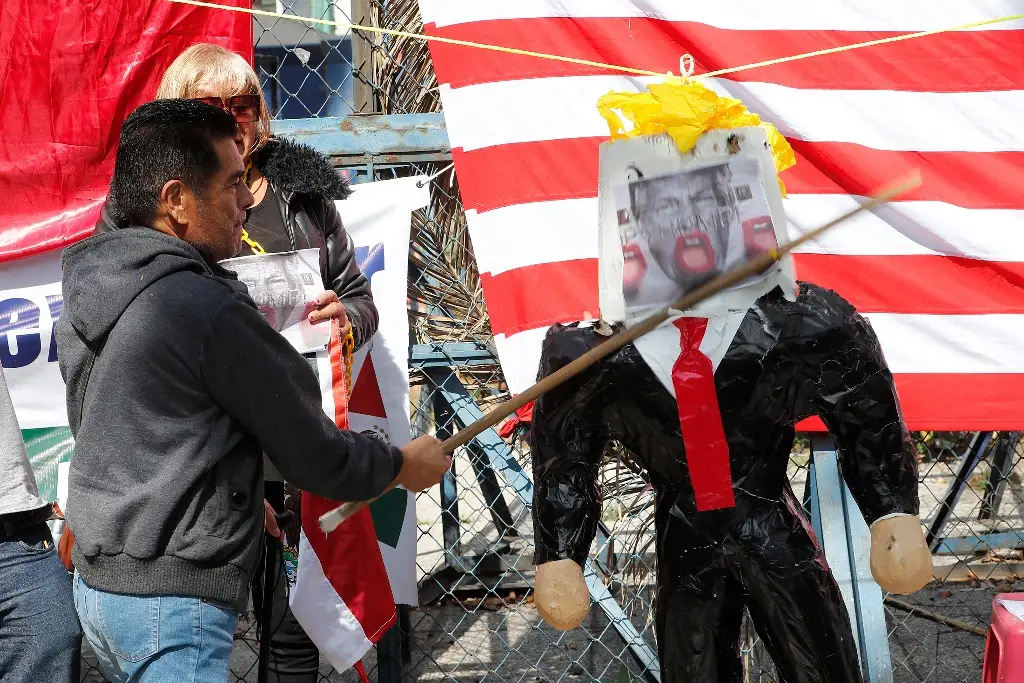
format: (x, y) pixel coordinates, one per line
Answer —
(600, 65)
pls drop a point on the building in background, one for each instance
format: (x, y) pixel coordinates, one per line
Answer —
(305, 69)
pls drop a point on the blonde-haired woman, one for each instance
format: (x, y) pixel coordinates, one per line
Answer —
(294, 187)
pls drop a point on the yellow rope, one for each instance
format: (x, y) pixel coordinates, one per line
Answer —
(854, 46)
(586, 62)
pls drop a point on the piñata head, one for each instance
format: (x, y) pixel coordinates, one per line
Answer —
(682, 203)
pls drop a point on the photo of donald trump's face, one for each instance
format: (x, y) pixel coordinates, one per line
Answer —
(686, 219)
(686, 228)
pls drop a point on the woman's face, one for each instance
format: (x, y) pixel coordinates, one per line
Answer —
(246, 138)
(245, 133)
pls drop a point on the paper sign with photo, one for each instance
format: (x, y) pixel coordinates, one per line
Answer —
(670, 222)
(284, 287)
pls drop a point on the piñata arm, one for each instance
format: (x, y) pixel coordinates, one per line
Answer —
(853, 391)
(566, 443)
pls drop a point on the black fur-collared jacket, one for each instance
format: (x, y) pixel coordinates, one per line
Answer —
(307, 186)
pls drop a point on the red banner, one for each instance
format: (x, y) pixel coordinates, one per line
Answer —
(70, 73)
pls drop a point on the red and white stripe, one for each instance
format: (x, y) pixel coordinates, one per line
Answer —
(940, 274)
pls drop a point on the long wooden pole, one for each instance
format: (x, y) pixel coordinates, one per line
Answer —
(330, 520)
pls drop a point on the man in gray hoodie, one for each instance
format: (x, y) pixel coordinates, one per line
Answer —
(176, 385)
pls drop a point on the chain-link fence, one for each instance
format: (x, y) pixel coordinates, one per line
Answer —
(475, 619)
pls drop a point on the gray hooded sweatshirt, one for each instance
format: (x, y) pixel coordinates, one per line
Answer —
(189, 387)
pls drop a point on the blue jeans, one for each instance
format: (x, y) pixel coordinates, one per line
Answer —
(156, 639)
(40, 638)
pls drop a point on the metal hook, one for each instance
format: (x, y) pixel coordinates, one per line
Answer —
(686, 65)
(421, 183)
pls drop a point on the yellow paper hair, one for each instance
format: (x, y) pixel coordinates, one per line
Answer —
(686, 111)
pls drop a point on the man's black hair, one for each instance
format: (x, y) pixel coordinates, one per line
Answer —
(161, 141)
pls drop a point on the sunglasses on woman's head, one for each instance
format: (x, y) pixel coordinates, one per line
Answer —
(245, 108)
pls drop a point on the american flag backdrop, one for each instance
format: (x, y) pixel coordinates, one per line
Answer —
(940, 273)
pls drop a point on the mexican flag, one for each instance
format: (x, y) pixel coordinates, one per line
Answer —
(347, 583)
(378, 217)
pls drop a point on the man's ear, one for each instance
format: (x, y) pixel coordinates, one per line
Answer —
(174, 202)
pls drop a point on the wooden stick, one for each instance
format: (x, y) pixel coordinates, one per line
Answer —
(330, 520)
(918, 611)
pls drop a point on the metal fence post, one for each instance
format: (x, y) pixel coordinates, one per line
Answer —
(452, 527)
(1002, 465)
(970, 461)
(362, 60)
(846, 541)
(390, 655)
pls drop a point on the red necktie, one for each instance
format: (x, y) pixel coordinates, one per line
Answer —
(707, 452)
